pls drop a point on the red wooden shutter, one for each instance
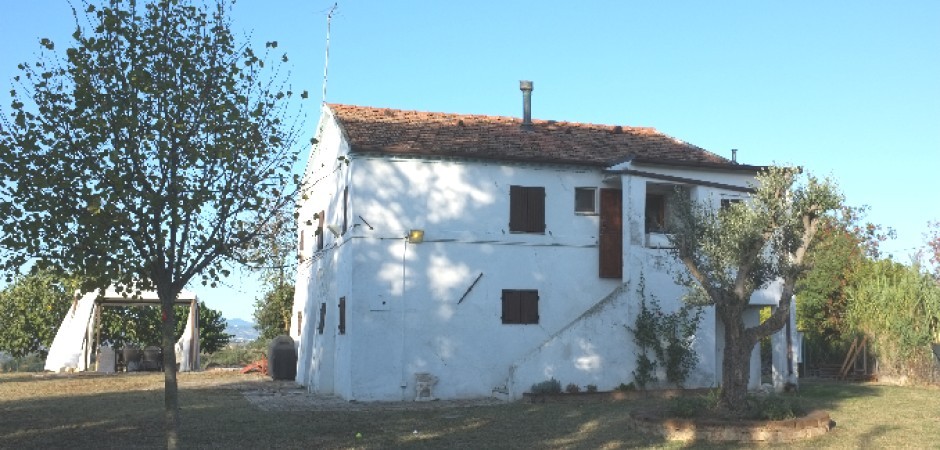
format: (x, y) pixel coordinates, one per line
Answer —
(610, 242)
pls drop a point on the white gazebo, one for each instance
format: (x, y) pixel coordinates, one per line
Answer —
(80, 332)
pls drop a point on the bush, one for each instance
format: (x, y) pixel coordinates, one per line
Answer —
(592, 388)
(551, 386)
(668, 337)
(769, 407)
(627, 387)
(572, 388)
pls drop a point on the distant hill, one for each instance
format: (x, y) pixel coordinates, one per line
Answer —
(242, 330)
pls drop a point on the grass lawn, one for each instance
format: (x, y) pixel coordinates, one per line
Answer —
(124, 411)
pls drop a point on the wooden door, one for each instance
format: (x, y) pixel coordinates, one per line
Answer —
(610, 248)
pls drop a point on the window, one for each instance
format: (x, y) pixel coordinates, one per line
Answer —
(520, 306)
(727, 202)
(526, 209)
(342, 315)
(320, 230)
(345, 208)
(322, 318)
(655, 213)
(300, 320)
(584, 200)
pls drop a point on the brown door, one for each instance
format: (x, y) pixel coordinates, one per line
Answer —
(611, 234)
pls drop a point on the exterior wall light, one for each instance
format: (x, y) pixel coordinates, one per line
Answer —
(415, 236)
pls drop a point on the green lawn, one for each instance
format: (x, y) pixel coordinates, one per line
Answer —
(124, 411)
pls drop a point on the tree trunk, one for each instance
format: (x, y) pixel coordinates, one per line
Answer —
(736, 363)
(171, 413)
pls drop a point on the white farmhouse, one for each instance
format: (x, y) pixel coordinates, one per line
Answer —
(459, 256)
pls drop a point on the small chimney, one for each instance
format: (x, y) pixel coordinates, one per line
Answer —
(734, 156)
(526, 88)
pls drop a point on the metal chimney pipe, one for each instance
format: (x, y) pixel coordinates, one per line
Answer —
(734, 156)
(526, 88)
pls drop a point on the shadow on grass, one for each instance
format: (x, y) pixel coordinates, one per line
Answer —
(129, 415)
(223, 418)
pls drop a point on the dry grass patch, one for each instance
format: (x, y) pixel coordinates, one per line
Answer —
(124, 411)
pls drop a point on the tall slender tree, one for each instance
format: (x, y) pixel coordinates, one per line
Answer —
(731, 252)
(149, 155)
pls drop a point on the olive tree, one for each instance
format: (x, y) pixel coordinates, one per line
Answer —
(148, 155)
(731, 252)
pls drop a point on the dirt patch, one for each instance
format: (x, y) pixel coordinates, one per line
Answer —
(814, 424)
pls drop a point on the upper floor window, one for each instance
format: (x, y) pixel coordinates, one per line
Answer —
(526, 209)
(585, 200)
(520, 306)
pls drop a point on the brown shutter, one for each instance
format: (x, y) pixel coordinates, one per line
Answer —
(342, 315)
(517, 208)
(511, 312)
(320, 230)
(610, 241)
(529, 306)
(535, 209)
(345, 208)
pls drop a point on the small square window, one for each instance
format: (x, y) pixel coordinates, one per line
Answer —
(727, 202)
(585, 200)
(520, 306)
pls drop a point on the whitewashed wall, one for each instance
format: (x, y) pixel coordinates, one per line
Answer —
(405, 307)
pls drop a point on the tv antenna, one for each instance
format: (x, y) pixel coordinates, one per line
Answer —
(326, 59)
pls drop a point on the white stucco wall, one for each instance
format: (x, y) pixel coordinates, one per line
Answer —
(405, 307)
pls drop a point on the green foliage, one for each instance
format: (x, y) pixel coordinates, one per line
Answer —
(898, 307)
(273, 312)
(667, 337)
(235, 355)
(171, 145)
(32, 362)
(730, 252)
(550, 386)
(627, 387)
(843, 244)
(31, 310)
(141, 326)
(756, 407)
(591, 388)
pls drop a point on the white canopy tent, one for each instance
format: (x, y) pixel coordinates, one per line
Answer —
(79, 334)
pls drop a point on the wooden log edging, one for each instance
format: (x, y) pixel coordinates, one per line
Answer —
(814, 424)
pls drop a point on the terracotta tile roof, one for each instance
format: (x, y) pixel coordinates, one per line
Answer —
(415, 133)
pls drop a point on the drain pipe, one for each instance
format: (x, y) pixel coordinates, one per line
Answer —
(404, 381)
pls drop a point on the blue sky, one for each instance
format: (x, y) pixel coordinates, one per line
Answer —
(845, 89)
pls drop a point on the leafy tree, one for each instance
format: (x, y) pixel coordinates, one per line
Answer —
(731, 252)
(273, 311)
(171, 145)
(31, 310)
(898, 307)
(933, 247)
(141, 325)
(834, 260)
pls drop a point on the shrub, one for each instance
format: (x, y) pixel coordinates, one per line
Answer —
(572, 388)
(592, 388)
(627, 387)
(668, 338)
(551, 386)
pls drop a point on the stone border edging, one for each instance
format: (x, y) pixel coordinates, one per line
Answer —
(814, 424)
